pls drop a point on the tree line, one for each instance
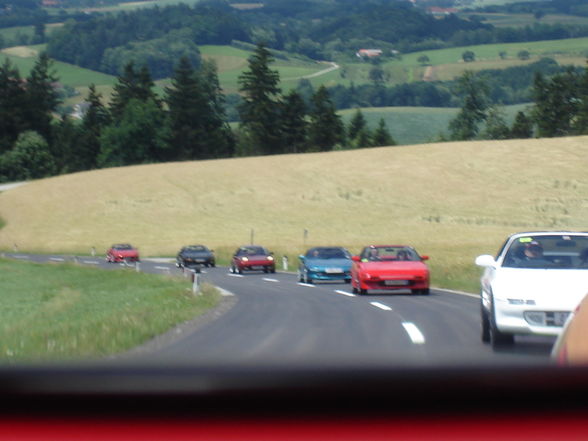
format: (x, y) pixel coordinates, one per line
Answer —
(560, 108)
(187, 123)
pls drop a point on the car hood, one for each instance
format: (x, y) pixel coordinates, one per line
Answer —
(550, 288)
(124, 252)
(328, 263)
(196, 253)
(394, 265)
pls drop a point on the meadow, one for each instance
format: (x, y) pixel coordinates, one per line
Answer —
(452, 201)
(64, 312)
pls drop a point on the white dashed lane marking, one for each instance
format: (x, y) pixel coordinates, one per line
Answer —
(381, 306)
(414, 333)
(344, 293)
(271, 280)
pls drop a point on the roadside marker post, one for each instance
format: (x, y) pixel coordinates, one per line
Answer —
(285, 263)
(195, 283)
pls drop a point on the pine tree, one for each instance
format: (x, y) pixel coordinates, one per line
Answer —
(260, 109)
(132, 84)
(42, 98)
(197, 120)
(294, 124)
(356, 125)
(95, 120)
(465, 125)
(326, 129)
(13, 119)
(522, 127)
(382, 136)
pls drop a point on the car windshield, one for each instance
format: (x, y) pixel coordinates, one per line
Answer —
(389, 253)
(123, 246)
(199, 248)
(328, 253)
(548, 252)
(252, 251)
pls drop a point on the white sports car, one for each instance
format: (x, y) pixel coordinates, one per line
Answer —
(533, 284)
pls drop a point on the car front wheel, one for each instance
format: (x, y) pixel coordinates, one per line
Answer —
(498, 338)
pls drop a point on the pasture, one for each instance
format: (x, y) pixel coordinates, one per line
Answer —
(65, 312)
(452, 201)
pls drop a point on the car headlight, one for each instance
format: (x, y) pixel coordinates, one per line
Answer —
(270, 257)
(245, 259)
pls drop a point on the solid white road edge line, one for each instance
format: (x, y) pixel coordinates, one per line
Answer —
(461, 293)
(414, 333)
(57, 259)
(344, 293)
(90, 262)
(381, 306)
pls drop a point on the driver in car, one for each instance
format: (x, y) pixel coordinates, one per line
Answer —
(532, 256)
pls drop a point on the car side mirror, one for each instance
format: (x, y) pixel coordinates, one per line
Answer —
(355, 258)
(425, 257)
(485, 260)
(301, 257)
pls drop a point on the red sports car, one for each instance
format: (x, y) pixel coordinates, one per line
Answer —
(251, 258)
(122, 252)
(389, 267)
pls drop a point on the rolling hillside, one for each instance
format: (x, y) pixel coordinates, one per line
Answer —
(452, 201)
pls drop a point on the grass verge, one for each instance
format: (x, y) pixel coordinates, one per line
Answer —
(63, 312)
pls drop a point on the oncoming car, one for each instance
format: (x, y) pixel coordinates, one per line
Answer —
(389, 267)
(325, 264)
(535, 281)
(195, 255)
(253, 258)
(122, 252)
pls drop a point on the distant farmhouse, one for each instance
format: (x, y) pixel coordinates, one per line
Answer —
(368, 53)
(441, 12)
(51, 3)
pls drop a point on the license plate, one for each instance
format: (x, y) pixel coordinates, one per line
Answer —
(559, 318)
(333, 271)
(395, 282)
(257, 267)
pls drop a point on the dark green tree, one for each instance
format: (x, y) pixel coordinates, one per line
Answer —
(580, 124)
(65, 149)
(556, 104)
(138, 137)
(260, 109)
(197, 121)
(326, 128)
(13, 119)
(294, 123)
(496, 127)
(474, 93)
(382, 136)
(29, 159)
(522, 127)
(356, 124)
(42, 97)
(132, 84)
(95, 119)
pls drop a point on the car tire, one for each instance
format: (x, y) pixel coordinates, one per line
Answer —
(498, 338)
(485, 335)
(307, 279)
(354, 289)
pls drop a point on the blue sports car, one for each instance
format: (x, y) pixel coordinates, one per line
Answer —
(325, 263)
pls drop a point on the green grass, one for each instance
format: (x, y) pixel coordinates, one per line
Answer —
(65, 312)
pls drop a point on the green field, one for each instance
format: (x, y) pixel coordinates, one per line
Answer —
(60, 312)
(452, 201)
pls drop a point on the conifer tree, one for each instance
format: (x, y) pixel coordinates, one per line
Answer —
(326, 128)
(260, 109)
(382, 136)
(294, 124)
(42, 98)
(13, 119)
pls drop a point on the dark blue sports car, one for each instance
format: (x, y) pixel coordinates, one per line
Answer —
(324, 264)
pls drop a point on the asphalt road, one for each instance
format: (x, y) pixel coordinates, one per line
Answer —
(271, 318)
